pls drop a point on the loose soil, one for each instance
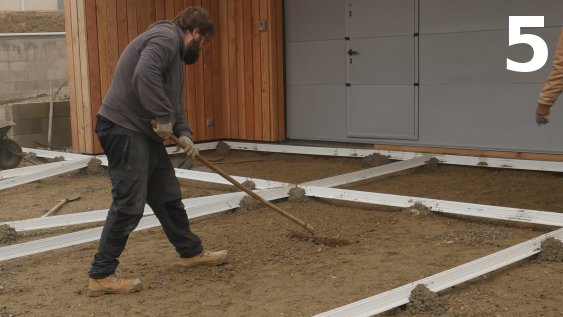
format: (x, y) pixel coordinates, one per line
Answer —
(273, 269)
(31, 21)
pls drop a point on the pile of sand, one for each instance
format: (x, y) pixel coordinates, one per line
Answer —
(418, 209)
(425, 302)
(7, 234)
(431, 165)
(222, 149)
(248, 203)
(374, 160)
(249, 184)
(297, 194)
(95, 168)
(551, 250)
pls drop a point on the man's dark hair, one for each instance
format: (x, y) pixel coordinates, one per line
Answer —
(195, 17)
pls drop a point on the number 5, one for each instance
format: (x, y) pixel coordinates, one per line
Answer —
(537, 43)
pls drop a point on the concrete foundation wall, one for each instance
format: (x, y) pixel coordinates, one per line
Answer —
(32, 123)
(28, 63)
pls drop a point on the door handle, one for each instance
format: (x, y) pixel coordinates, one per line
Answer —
(351, 52)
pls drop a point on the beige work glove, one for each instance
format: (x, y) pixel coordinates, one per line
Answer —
(187, 146)
(164, 130)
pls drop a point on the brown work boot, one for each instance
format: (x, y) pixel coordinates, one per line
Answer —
(112, 285)
(205, 258)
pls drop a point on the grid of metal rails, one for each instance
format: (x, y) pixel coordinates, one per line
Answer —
(272, 190)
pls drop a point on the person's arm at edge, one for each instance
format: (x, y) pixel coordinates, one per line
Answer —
(554, 84)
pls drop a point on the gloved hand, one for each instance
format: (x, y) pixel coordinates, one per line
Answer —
(541, 120)
(164, 130)
(187, 146)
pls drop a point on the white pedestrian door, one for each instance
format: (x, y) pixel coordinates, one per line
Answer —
(381, 40)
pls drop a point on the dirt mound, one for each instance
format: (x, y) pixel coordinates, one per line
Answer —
(55, 159)
(418, 209)
(374, 160)
(32, 158)
(431, 165)
(297, 194)
(424, 301)
(222, 149)
(249, 184)
(95, 168)
(551, 250)
(7, 234)
(248, 203)
(31, 21)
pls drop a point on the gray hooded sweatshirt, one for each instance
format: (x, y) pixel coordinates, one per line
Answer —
(148, 83)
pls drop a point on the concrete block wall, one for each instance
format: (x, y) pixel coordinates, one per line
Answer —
(32, 123)
(29, 62)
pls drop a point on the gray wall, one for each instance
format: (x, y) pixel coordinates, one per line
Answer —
(29, 62)
(466, 97)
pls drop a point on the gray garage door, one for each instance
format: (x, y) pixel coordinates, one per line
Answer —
(353, 67)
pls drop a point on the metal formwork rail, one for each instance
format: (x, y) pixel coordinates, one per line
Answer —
(89, 235)
(400, 296)
(535, 165)
(445, 206)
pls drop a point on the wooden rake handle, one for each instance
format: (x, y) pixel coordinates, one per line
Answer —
(254, 195)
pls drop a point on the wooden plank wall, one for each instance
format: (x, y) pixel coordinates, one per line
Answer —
(238, 83)
(78, 75)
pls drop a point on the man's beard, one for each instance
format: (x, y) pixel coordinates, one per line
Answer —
(191, 52)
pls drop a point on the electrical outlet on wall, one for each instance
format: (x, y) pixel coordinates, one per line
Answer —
(262, 25)
(210, 122)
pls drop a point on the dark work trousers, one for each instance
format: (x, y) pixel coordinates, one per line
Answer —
(140, 172)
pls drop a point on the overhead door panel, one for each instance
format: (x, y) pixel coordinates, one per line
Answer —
(317, 62)
(314, 20)
(477, 57)
(317, 112)
(386, 111)
(443, 16)
(372, 18)
(485, 116)
(382, 60)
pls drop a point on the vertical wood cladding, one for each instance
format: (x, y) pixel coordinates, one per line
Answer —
(238, 82)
